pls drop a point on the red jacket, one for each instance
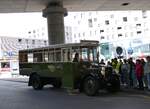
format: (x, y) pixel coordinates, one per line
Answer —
(139, 71)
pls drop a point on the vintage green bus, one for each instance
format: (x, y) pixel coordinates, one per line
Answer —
(72, 66)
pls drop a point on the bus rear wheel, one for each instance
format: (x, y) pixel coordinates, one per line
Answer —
(36, 82)
(90, 86)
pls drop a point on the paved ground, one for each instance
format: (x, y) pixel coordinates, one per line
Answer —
(17, 95)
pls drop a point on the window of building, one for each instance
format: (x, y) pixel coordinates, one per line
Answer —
(102, 37)
(138, 24)
(126, 34)
(101, 31)
(34, 31)
(135, 18)
(125, 19)
(19, 40)
(139, 32)
(107, 22)
(119, 35)
(26, 41)
(90, 33)
(45, 42)
(79, 35)
(83, 33)
(95, 19)
(111, 16)
(33, 41)
(90, 22)
(42, 34)
(119, 28)
(74, 35)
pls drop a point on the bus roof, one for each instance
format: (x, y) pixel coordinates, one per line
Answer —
(86, 43)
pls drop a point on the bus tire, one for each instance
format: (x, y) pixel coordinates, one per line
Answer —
(90, 86)
(36, 82)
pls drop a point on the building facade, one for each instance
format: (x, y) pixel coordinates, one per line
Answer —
(127, 29)
(9, 47)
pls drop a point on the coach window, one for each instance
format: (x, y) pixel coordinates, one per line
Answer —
(23, 57)
(37, 56)
(30, 57)
(58, 54)
(65, 55)
(45, 55)
(51, 55)
(74, 51)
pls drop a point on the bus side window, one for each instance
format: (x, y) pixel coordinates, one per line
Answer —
(45, 56)
(51, 56)
(58, 55)
(37, 57)
(66, 55)
(23, 57)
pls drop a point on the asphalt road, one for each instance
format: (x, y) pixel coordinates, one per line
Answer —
(17, 95)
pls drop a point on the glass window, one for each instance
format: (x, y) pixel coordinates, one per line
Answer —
(37, 57)
(84, 54)
(139, 32)
(125, 19)
(51, 57)
(119, 28)
(119, 35)
(101, 31)
(66, 55)
(90, 22)
(45, 56)
(23, 57)
(58, 55)
(30, 57)
(107, 22)
(19, 40)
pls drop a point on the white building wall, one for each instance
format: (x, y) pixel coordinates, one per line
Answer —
(109, 27)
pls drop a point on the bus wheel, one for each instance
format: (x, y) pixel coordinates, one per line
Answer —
(36, 82)
(57, 83)
(90, 86)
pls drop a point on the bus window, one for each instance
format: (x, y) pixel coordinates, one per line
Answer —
(37, 57)
(58, 54)
(45, 56)
(51, 56)
(65, 55)
(93, 54)
(74, 52)
(84, 54)
(90, 54)
(23, 57)
(30, 57)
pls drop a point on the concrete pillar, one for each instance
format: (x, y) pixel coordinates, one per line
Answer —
(55, 13)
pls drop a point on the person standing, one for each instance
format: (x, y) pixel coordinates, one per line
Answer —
(132, 77)
(147, 73)
(139, 73)
(125, 73)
